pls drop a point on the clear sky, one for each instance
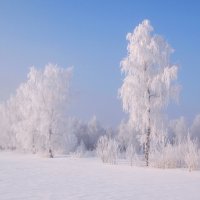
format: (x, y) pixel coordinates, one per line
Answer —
(90, 35)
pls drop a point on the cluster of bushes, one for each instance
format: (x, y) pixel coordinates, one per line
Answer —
(179, 151)
(178, 155)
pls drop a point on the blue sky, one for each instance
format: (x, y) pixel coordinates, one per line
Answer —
(90, 35)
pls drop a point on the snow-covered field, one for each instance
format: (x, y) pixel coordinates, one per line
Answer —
(28, 177)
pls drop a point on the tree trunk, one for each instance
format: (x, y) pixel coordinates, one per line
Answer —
(147, 146)
(147, 142)
(33, 145)
(50, 149)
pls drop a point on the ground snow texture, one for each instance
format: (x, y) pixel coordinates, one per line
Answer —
(27, 177)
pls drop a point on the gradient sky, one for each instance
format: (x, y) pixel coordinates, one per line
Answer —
(91, 36)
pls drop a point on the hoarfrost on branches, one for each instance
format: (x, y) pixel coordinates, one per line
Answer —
(149, 82)
(38, 111)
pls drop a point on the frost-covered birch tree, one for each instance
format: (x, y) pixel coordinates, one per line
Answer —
(149, 82)
(42, 106)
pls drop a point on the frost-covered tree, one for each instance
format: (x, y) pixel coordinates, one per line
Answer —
(87, 132)
(8, 118)
(7, 137)
(148, 84)
(195, 128)
(41, 109)
(178, 129)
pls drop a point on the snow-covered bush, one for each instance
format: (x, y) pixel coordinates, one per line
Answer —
(107, 149)
(131, 154)
(168, 156)
(180, 154)
(192, 154)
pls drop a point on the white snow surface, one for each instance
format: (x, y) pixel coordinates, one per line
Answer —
(30, 177)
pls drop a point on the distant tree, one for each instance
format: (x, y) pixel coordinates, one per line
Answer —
(95, 131)
(178, 129)
(195, 128)
(148, 84)
(7, 137)
(87, 132)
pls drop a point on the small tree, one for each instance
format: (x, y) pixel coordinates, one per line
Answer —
(147, 87)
